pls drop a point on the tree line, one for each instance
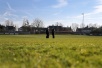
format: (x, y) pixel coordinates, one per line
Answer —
(38, 23)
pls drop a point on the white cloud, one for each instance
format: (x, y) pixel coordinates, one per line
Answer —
(8, 14)
(61, 3)
(18, 23)
(97, 10)
(100, 1)
(29, 14)
(9, 7)
(58, 13)
(98, 7)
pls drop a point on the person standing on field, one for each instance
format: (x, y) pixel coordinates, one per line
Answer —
(47, 33)
(53, 33)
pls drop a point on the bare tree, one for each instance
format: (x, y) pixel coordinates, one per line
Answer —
(93, 25)
(16, 27)
(74, 26)
(82, 25)
(26, 26)
(58, 24)
(9, 23)
(90, 25)
(37, 23)
(25, 22)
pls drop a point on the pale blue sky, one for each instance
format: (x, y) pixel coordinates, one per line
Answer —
(51, 11)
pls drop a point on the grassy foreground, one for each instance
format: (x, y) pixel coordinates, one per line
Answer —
(65, 51)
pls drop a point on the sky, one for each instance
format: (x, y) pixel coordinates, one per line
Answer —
(51, 11)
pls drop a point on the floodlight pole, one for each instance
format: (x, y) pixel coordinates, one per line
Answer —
(83, 18)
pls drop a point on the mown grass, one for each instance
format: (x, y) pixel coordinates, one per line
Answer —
(65, 51)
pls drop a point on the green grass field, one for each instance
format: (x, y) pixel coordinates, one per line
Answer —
(65, 51)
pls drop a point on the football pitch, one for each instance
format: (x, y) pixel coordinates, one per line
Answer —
(64, 51)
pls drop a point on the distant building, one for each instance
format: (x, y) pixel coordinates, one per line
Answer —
(20, 29)
(31, 30)
(57, 28)
(85, 30)
(2, 28)
(39, 30)
(10, 28)
(7, 29)
(61, 30)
